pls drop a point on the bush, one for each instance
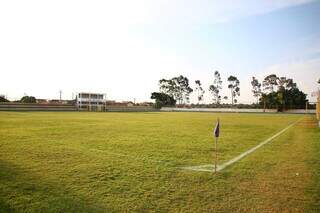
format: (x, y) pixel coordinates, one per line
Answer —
(28, 99)
(3, 99)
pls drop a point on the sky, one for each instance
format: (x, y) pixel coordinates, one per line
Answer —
(124, 47)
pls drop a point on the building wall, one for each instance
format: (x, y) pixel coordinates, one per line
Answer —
(91, 102)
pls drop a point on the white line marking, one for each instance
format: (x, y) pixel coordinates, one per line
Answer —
(210, 167)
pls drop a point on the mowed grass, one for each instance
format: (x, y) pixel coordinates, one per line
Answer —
(111, 162)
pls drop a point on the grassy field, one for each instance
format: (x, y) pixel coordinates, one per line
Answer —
(111, 162)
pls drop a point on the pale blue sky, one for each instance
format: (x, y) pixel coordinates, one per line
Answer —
(123, 48)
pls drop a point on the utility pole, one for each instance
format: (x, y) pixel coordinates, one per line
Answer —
(60, 92)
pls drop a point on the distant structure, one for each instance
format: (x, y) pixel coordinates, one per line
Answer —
(86, 101)
(317, 94)
(42, 101)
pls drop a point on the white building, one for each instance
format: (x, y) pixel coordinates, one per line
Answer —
(91, 101)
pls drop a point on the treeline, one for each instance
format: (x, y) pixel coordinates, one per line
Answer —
(274, 92)
(278, 92)
(177, 90)
(24, 99)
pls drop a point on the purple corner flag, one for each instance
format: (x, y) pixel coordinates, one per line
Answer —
(216, 130)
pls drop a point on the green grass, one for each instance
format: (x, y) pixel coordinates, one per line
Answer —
(98, 162)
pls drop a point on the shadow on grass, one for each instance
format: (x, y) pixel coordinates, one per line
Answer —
(21, 191)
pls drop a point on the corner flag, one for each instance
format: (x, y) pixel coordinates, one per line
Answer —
(216, 133)
(216, 130)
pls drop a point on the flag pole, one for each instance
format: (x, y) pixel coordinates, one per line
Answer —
(216, 133)
(216, 155)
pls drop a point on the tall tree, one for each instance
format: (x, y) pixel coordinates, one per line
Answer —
(286, 96)
(177, 87)
(234, 87)
(284, 86)
(183, 88)
(162, 99)
(216, 87)
(285, 83)
(270, 82)
(295, 98)
(199, 90)
(256, 88)
(167, 86)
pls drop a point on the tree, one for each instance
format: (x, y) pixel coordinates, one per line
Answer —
(286, 96)
(183, 89)
(270, 82)
(256, 88)
(177, 87)
(319, 81)
(270, 100)
(162, 99)
(200, 91)
(167, 86)
(284, 84)
(3, 99)
(295, 98)
(28, 99)
(216, 87)
(234, 87)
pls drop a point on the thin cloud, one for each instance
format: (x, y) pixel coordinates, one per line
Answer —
(195, 12)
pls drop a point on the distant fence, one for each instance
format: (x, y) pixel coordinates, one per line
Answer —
(7, 106)
(294, 111)
(69, 107)
(301, 111)
(130, 109)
